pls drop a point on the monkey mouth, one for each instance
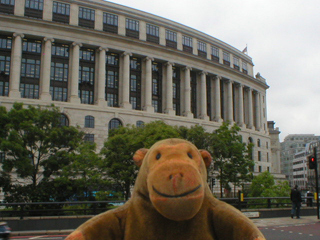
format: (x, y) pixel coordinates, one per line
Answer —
(176, 196)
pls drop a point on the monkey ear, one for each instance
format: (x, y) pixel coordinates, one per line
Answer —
(206, 157)
(139, 156)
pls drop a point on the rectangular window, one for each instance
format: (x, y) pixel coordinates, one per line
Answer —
(7, 6)
(59, 72)
(244, 67)
(215, 54)
(152, 33)
(156, 86)
(86, 75)
(89, 137)
(171, 39)
(236, 63)
(176, 89)
(226, 58)
(34, 8)
(135, 82)
(110, 23)
(61, 12)
(112, 79)
(202, 49)
(187, 44)
(86, 17)
(5, 61)
(132, 28)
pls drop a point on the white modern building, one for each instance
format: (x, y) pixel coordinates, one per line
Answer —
(293, 151)
(106, 65)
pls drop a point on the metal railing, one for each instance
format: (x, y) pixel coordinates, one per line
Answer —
(36, 209)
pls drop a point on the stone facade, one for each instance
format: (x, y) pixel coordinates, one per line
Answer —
(111, 63)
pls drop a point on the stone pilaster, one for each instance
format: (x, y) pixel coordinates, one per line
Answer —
(74, 84)
(125, 103)
(229, 102)
(101, 83)
(15, 67)
(240, 106)
(217, 99)
(169, 90)
(203, 98)
(187, 93)
(148, 85)
(45, 70)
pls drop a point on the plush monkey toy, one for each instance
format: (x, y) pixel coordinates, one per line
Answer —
(171, 201)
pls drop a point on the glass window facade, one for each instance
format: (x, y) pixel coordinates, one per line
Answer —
(5, 61)
(112, 79)
(135, 83)
(86, 75)
(30, 68)
(157, 86)
(61, 12)
(110, 23)
(59, 72)
(89, 121)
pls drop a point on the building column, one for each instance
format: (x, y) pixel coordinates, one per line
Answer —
(74, 84)
(229, 102)
(187, 93)
(217, 99)
(203, 99)
(126, 81)
(45, 70)
(250, 106)
(257, 110)
(169, 90)
(15, 67)
(148, 86)
(100, 86)
(240, 106)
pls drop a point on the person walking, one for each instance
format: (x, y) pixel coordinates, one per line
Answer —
(296, 200)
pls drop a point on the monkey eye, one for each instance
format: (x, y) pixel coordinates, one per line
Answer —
(190, 155)
(158, 156)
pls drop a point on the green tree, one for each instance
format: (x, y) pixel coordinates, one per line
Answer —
(123, 142)
(36, 146)
(232, 157)
(264, 185)
(197, 135)
(83, 176)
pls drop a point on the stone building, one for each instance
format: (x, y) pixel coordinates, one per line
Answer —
(106, 65)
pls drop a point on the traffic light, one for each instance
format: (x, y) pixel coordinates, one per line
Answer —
(312, 162)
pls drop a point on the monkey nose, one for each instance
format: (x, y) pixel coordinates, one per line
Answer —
(175, 176)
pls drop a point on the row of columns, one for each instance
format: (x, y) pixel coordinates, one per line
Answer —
(125, 86)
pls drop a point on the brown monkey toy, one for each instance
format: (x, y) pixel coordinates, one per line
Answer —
(171, 201)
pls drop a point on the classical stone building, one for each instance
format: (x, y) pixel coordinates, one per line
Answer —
(106, 65)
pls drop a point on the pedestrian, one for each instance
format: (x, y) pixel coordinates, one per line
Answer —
(296, 200)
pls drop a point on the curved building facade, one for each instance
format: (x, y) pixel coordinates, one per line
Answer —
(106, 65)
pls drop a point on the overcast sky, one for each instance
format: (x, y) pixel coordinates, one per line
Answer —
(283, 38)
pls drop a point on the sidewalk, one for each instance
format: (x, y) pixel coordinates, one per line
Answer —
(284, 221)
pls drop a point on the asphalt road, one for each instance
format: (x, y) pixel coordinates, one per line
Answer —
(309, 231)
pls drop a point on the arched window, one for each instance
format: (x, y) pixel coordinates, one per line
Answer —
(114, 123)
(258, 143)
(140, 123)
(64, 121)
(89, 121)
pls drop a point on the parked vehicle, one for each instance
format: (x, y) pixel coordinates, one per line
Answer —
(5, 231)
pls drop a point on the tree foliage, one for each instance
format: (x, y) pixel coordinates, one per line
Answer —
(122, 143)
(35, 146)
(264, 185)
(232, 157)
